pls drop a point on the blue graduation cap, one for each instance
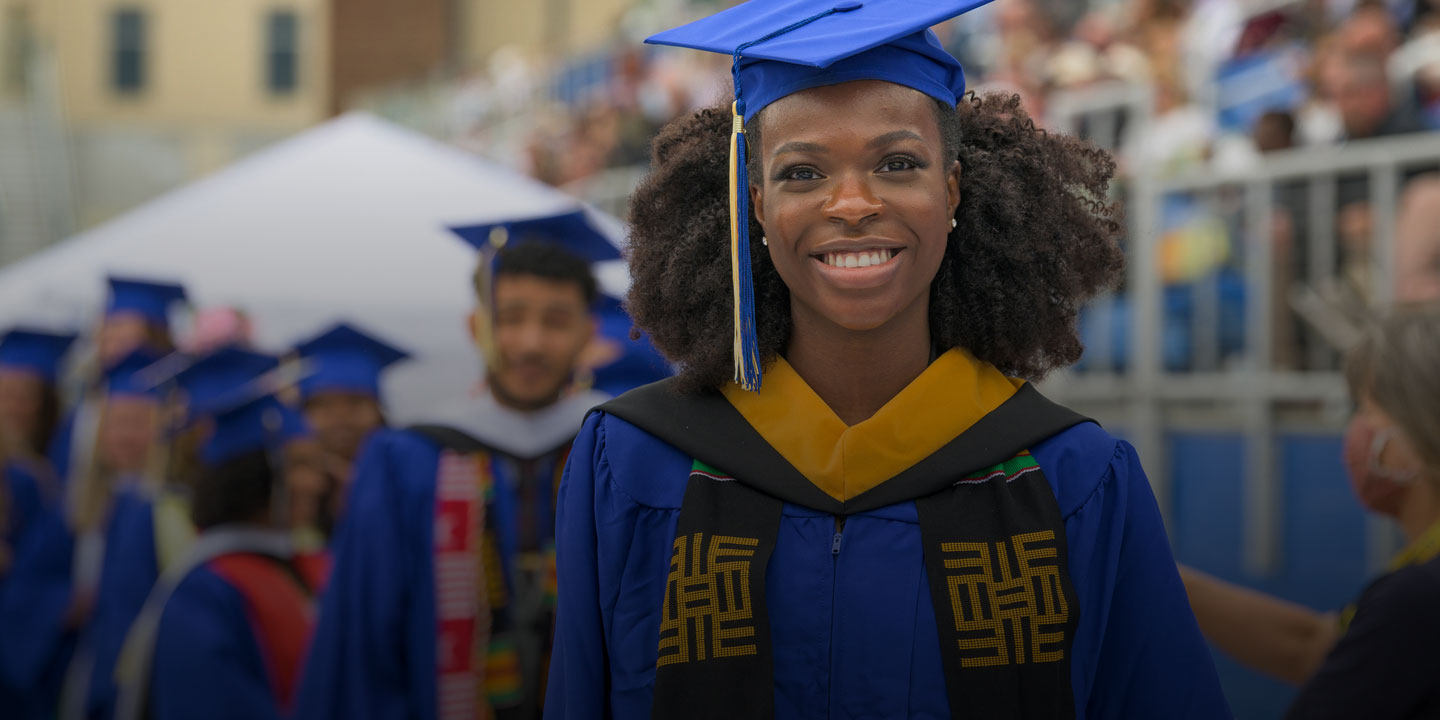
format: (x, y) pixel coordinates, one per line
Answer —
(146, 298)
(780, 47)
(34, 351)
(129, 376)
(571, 231)
(345, 359)
(251, 419)
(211, 381)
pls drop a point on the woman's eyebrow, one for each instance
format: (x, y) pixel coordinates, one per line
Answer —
(798, 146)
(892, 136)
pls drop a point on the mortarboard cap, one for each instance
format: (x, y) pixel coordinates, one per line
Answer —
(571, 231)
(345, 359)
(149, 299)
(34, 351)
(252, 419)
(130, 377)
(780, 47)
(211, 381)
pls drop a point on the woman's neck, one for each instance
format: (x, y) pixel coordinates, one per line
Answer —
(857, 372)
(1421, 508)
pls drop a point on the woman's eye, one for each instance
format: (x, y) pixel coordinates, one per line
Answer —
(898, 164)
(801, 173)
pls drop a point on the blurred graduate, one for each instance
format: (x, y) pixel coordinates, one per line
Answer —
(443, 568)
(224, 632)
(30, 361)
(851, 502)
(136, 316)
(150, 526)
(340, 397)
(49, 599)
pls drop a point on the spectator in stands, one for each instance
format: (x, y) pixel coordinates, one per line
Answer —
(1374, 659)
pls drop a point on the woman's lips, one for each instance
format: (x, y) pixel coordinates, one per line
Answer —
(858, 269)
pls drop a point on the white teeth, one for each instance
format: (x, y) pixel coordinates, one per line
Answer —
(859, 259)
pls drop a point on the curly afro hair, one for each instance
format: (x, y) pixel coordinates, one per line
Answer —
(1036, 236)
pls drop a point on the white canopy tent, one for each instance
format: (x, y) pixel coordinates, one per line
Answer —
(344, 222)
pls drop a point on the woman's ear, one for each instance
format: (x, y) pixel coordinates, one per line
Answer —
(757, 203)
(952, 187)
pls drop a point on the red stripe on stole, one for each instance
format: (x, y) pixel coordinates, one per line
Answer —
(462, 623)
(281, 614)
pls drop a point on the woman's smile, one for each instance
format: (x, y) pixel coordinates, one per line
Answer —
(858, 268)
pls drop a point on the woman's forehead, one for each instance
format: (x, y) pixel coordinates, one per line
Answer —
(865, 107)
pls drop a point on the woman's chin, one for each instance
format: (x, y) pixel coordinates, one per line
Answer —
(861, 317)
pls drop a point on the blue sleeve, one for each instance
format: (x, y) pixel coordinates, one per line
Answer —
(128, 575)
(578, 663)
(207, 663)
(373, 655)
(27, 503)
(35, 601)
(1143, 653)
(60, 442)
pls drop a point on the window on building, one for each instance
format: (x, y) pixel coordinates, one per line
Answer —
(282, 54)
(128, 37)
(15, 50)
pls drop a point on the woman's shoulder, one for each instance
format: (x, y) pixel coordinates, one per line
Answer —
(635, 463)
(1081, 460)
(1413, 590)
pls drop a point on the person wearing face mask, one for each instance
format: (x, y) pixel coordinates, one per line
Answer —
(1374, 658)
(850, 502)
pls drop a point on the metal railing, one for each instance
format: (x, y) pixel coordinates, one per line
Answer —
(1245, 389)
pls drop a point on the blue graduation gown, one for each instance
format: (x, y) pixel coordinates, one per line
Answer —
(374, 654)
(207, 662)
(27, 503)
(853, 629)
(61, 442)
(28, 498)
(130, 570)
(37, 644)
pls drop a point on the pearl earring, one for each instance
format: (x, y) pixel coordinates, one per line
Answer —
(953, 223)
(764, 241)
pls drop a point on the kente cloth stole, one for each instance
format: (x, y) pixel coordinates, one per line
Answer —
(461, 608)
(478, 665)
(995, 556)
(994, 551)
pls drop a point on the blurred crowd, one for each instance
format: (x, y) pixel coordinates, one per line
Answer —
(1171, 87)
(1221, 80)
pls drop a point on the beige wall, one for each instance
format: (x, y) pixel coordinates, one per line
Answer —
(204, 68)
(204, 103)
(492, 24)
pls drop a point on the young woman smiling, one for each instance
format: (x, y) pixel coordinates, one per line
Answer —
(891, 523)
